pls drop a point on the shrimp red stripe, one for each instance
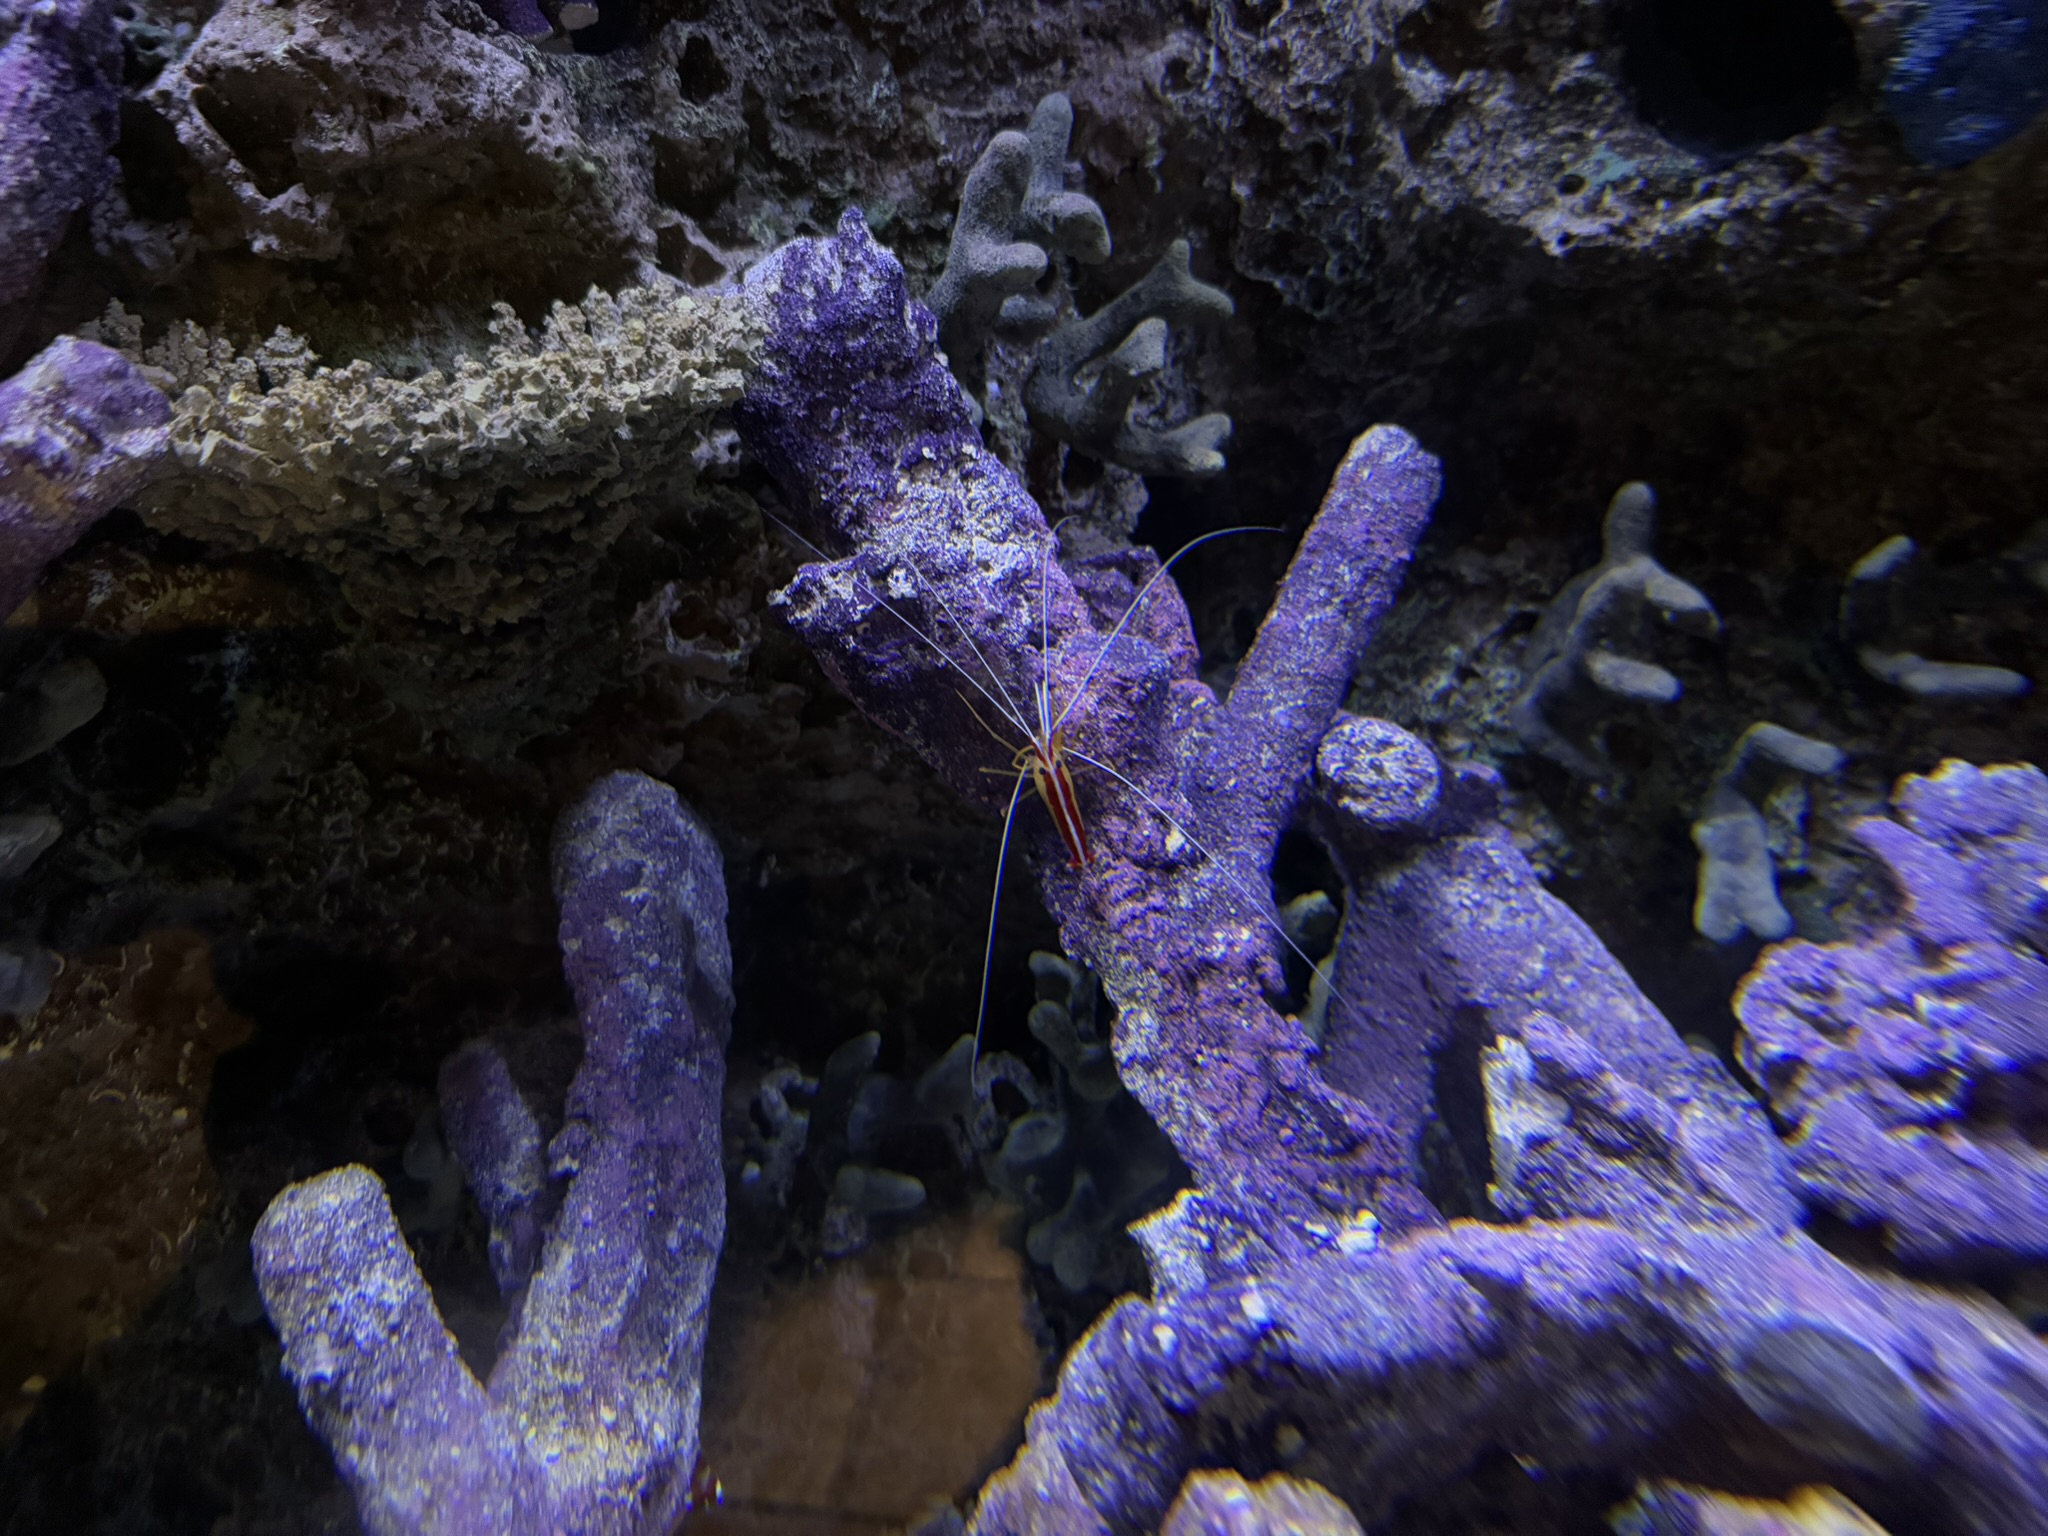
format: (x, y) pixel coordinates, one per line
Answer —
(1056, 788)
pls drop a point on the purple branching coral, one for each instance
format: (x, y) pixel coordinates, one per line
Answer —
(520, 16)
(877, 439)
(1912, 1065)
(60, 100)
(589, 1421)
(1313, 1311)
(81, 431)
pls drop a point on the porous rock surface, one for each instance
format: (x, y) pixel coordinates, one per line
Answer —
(419, 149)
(104, 1149)
(475, 499)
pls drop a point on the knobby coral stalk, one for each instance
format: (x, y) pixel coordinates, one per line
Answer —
(1571, 1344)
(60, 100)
(588, 1425)
(854, 410)
(1311, 1308)
(81, 431)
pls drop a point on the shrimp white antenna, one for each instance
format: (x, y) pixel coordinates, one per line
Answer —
(995, 902)
(1011, 713)
(1002, 705)
(1045, 628)
(1144, 592)
(1221, 868)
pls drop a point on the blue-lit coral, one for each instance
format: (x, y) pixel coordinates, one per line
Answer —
(1738, 886)
(1966, 76)
(1306, 1282)
(1906, 1063)
(1585, 644)
(589, 1421)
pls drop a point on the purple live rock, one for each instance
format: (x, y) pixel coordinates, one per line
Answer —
(81, 431)
(1641, 1270)
(60, 103)
(589, 1421)
(1908, 1063)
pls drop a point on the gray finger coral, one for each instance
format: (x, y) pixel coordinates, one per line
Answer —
(1015, 212)
(1581, 645)
(1738, 889)
(1871, 616)
(1123, 344)
(1089, 379)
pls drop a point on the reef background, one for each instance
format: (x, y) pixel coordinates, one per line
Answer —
(1566, 246)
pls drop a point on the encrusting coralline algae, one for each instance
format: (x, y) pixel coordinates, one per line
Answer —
(1480, 1229)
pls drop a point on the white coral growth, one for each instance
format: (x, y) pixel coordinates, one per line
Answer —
(471, 496)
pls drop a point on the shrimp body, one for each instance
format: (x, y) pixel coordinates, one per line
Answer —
(1042, 760)
(1045, 760)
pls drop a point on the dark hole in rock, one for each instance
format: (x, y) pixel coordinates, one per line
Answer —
(700, 74)
(1080, 471)
(1448, 35)
(1455, 1156)
(693, 176)
(1862, 1244)
(153, 164)
(703, 269)
(760, 128)
(141, 751)
(146, 47)
(1721, 77)
(656, 14)
(1008, 1101)
(678, 254)
(1571, 186)
(388, 1117)
(1302, 866)
(259, 132)
(619, 24)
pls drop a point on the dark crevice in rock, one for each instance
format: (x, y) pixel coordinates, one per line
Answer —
(154, 165)
(1722, 77)
(1456, 1159)
(701, 75)
(260, 134)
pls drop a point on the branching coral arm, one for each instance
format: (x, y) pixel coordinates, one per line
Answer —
(1342, 580)
(1138, 602)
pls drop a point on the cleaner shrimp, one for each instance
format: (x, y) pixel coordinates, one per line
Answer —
(1041, 761)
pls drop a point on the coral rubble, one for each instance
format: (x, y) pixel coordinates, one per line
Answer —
(471, 497)
(479, 499)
